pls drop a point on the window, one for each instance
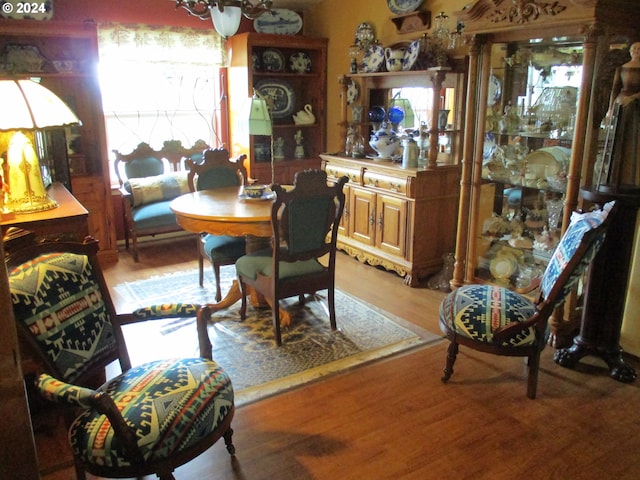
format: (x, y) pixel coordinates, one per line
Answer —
(159, 84)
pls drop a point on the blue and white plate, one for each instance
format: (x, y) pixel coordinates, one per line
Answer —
(280, 94)
(411, 55)
(353, 92)
(278, 20)
(372, 60)
(272, 60)
(400, 7)
(300, 62)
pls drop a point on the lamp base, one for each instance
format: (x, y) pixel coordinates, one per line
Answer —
(32, 205)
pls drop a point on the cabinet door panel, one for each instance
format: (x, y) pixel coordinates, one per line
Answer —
(391, 224)
(362, 215)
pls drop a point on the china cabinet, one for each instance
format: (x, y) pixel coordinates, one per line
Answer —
(290, 72)
(63, 57)
(532, 132)
(402, 219)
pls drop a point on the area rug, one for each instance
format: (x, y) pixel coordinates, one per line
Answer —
(247, 350)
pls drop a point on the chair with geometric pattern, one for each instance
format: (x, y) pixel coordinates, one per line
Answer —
(151, 418)
(497, 320)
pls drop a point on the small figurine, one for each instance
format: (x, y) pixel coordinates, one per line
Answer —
(299, 151)
(278, 148)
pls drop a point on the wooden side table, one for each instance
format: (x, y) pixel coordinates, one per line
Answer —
(69, 221)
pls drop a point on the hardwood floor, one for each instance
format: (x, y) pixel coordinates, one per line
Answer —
(395, 419)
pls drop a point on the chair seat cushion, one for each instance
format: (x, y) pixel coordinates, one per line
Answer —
(476, 311)
(154, 215)
(172, 404)
(220, 248)
(250, 265)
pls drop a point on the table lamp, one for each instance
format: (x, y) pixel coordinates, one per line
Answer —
(28, 106)
(260, 122)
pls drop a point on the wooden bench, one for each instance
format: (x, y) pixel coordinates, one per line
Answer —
(149, 179)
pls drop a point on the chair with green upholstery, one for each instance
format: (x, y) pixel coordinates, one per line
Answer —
(500, 321)
(217, 170)
(150, 419)
(305, 222)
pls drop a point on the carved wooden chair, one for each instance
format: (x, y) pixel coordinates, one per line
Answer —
(150, 419)
(500, 321)
(217, 170)
(305, 224)
(149, 179)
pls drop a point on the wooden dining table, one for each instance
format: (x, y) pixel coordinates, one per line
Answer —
(225, 211)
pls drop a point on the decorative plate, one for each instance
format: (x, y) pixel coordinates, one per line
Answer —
(273, 60)
(411, 55)
(503, 265)
(373, 59)
(256, 62)
(278, 20)
(495, 90)
(24, 59)
(400, 7)
(280, 94)
(300, 62)
(353, 92)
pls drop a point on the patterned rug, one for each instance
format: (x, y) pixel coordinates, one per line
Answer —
(247, 350)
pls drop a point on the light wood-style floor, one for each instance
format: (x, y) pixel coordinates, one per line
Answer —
(394, 419)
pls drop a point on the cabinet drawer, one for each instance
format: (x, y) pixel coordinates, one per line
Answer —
(337, 171)
(385, 182)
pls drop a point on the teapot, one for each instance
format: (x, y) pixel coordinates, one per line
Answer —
(304, 117)
(394, 58)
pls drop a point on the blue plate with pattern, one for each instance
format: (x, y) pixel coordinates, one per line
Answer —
(280, 95)
(400, 7)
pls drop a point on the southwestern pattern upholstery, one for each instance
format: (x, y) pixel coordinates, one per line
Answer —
(151, 418)
(497, 320)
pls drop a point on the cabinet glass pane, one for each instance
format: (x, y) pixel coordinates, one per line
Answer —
(531, 103)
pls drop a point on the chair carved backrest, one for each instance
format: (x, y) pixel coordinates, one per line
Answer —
(305, 219)
(144, 161)
(62, 306)
(216, 170)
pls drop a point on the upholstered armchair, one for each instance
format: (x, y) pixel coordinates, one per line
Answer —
(151, 418)
(217, 170)
(305, 222)
(500, 321)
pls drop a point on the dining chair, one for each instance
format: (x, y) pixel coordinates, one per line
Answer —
(496, 320)
(304, 222)
(151, 418)
(217, 170)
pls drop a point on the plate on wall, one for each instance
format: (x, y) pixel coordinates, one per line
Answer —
(372, 60)
(400, 7)
(281, 96)
(300, 62)
(273, 60)
(278, 20)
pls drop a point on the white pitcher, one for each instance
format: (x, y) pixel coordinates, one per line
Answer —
(393, 57)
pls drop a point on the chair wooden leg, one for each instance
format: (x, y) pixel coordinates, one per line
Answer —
(243, 304)
(276, 322)
(534, 368)
(134, 241)
(216, 273)
(332, 308)
(452, 353)
(228, 442)
(201, 266)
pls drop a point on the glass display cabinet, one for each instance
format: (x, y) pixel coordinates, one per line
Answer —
(532, 133)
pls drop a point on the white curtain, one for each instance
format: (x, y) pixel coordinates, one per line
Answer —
(159, 83)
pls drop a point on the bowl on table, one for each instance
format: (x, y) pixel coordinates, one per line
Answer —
(255, 191)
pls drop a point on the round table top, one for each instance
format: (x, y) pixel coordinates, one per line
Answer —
(223, 211)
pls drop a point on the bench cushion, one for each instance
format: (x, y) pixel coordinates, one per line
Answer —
(146, 190)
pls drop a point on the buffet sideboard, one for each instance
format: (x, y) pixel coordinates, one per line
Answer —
(401, 219)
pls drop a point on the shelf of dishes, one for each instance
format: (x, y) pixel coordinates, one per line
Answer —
(517, 164)
(520, 228)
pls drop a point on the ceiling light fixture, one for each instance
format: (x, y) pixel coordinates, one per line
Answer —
(225, 14)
